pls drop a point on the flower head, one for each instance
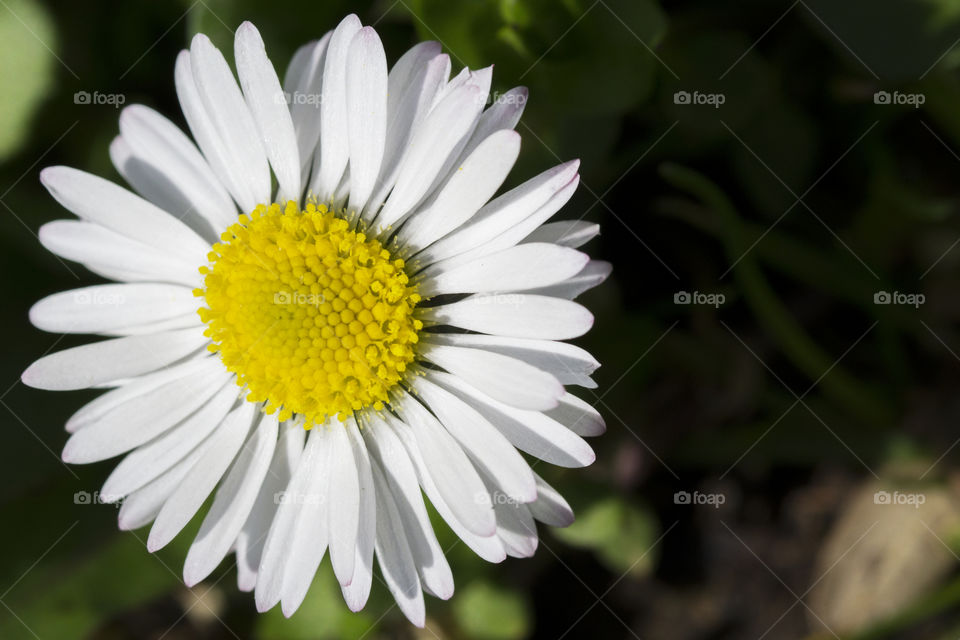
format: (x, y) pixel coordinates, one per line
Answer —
(321, 311)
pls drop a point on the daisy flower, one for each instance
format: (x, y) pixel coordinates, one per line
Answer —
(323, 312)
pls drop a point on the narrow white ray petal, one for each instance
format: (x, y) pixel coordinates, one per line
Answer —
(344, 503)
(519, 268)
(515, 526)
(394, 555)
(366, 92)
(500, 376)
(407, 106)
(182, 321)
(203, 477)
(303, 85)
(154, 140)
(292, 502)
(230, 117)
(109, 307)
(503, 212)
(333, 154)
(442, 130)
(550, 507)
(472, 184)
(492, 454)
(311, 528)
(153, 459)
(569, 233)
(97, 200)
(267, 105)
(94, 245)
(356, 593)
(487, 547)
(152, 183)
(450, 468)
(102, 362)
(401, 476)
(504, 113)
(142, 506)
(578, 416)
(144, 417)
(250, 540)
(214, 148)
(529, 431)
(132, 387)
(569, 363)
(232, 504)
(515, 314)
(592, 275)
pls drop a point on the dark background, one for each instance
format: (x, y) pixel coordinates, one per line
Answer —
(796, 204)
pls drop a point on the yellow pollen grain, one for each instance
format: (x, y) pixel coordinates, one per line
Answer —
(313, 317)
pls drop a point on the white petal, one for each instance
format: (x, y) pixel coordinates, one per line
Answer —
(401, 476)
(491, 452)
(101, 362)
(515, 526)
(487, 547)
(504, 113)
(503, 377)
(578, 416)
(161, 145)
(515, 314)
(589, 277)
(394, 555)
(550, 507)
(231, 119)
(145, 416)
(232, 504)
(334, 152)
(278, 548)
(568, 363)
(529, 431)
(344, 503)
(504, 212)
(311, 528)
(519, 268)
(98, 247)
(366, 86)
(267, 105)
(109, 307)
(356, 593)
(203, 477)
(155, 458)
(439, 135)
(407, 105)
(142, 506)
(303, 84)
(569, 233)
(97, 200)
(451, 470)
(473, 183)
(250, 540)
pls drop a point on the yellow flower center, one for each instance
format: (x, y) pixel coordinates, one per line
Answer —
(313, 317)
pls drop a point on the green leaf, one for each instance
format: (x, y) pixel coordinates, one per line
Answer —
(25, 28)
(621, 534)
(488, 612)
